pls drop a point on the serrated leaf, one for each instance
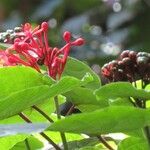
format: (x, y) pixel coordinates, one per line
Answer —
(108, 120)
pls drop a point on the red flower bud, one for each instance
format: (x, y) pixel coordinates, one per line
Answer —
(67, 36)
(44, 25)
(78, 42)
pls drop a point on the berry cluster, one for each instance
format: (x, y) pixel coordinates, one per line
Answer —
(130, 66)
(10, 35)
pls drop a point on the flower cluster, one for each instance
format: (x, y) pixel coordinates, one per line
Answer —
(30, 48)
(130, 66)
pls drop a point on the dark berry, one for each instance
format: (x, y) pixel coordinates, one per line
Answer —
(126, 61)
(124, 54)
(132, 55)
(142, 60)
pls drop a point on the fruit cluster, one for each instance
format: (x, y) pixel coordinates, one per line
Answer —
(130, 66)
(10, 35)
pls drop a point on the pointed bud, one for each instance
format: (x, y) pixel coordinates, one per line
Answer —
(17, 40)
(67, 36)
(44, 25)
(78, 42)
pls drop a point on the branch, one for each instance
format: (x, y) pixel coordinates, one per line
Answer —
(25, 118)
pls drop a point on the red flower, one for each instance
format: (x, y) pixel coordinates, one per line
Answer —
(32, 49)
(4, 59)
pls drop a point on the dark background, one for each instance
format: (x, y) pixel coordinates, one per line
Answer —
(109, 26)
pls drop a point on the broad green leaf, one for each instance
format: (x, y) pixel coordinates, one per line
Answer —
(69, 136)
(82, 96)
(120, 89)
(77, 144)
(88, 108)
(8, 142)
(133, 143)
(47, 106)
(78, 69)
(13, 79)
(12, 120)
(108, 120)
(136, 133)
(33, 142)
(92, 148)
(18, 101)
(84, 99)
(147, 87)
(120, 102)
(23, 99)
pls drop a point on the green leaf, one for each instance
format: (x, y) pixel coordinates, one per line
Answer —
(82, 96)
(88, 108)
(133, 143)
(34, 144)
(108, 120)
(78, 69)
(13, 79)
(69, 136)
(120, 102)
(4, 46)
(84, 99)
(77, 144)
(68, 83)
(23, 99)
(147, 87)
(8, 142)
(47, 106)
(120, 89)
(19, 101)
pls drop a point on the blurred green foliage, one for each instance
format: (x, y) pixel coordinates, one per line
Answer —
(109, 26)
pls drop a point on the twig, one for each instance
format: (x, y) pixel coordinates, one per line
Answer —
(43, 113)
(70, 110)
(101, 139)
(63, 137)
(24, 117)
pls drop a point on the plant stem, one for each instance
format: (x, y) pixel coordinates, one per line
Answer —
(24, 117)
(147, 128)
(101, 139)
(70, 110)
(43, 113)
(147, 132)
(27, 144)
(63, 137)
